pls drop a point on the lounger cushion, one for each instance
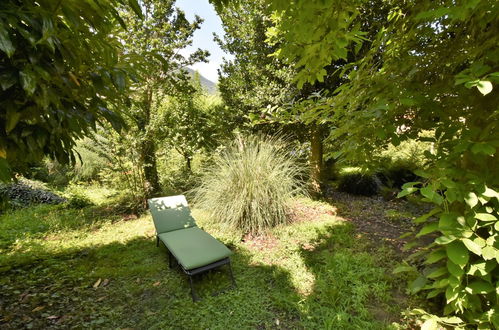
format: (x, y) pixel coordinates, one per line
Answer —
(170, 213)
(194, 248)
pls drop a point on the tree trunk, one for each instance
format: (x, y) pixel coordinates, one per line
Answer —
(149, 164)
(148, 150)
(188, 160)
(316, 164)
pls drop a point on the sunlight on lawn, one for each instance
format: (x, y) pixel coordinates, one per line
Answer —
(303, 274)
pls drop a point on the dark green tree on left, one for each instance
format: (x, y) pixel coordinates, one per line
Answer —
(61, 73)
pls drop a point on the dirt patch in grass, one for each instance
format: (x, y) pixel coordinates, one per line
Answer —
(261, 242)
(378, 219)
(300, 212)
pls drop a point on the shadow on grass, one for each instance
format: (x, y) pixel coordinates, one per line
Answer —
(40, 220)
(140, 291)
(352, 288)
(130, 285)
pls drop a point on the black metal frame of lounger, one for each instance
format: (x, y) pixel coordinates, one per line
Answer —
(199, 270)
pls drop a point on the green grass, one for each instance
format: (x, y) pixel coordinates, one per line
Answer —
(309, 274)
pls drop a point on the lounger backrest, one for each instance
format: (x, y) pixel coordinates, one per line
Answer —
(170, 213)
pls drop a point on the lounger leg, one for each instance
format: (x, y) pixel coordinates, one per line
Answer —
(157, 241)
(232, 276)
(170, 261)
(193, 292)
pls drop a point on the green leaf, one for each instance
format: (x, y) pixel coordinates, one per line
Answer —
(436, 256)
(484, 86)
(7, 79)
(28, 81)
(430, 324)
(451, 320)
(13, 118)
(424, 217)
(454, 269)
(448, 221)
(5, 171)
(490, 193)
(434, 293)
(472, 246)
(448, 183)
(443, 240)
(5, 44)
(410, 184)
(406, 191)
(417, 284)
(429, 228)
(427, 192)
(480, 287)
(119, 80)
(480, 268)
(458, 253)
(403, 268)
(489, 252)
(136, 8)
(485, 217)
(483, 148)
(437, 272)
(471, 199)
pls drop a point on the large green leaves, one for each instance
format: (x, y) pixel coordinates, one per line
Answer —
(5, 44)
(432, 66)
(458, 253)
(56, 84)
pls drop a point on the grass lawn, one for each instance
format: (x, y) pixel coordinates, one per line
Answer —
(83, 268)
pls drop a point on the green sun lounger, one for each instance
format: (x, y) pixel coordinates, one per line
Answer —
(195, 250)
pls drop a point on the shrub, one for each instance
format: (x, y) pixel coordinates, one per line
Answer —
(249, 184)
(397, 164)
(50, 172)
(180, 181)
(78, 201)
(93, 159)
(357, 183)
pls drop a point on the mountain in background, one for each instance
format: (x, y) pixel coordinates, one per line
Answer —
(207, 84)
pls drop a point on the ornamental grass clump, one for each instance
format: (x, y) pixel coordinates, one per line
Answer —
(250, 184)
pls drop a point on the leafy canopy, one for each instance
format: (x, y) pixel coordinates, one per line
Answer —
(432, 66)
(61, 74)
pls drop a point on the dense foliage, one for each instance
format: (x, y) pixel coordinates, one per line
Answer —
(249, 185)
(62, 72)
(359, 184)
(157, 39)
(431, 67)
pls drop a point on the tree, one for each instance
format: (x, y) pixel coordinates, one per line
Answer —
(253, 80)
(188, 122)
(431, 67)
(61, 73)
(262, 84)
(157, 39)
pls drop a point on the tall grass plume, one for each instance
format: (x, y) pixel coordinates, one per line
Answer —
(250, 183)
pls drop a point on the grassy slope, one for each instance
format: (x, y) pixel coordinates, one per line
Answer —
(311, 274)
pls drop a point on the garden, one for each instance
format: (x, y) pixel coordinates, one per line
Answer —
(345, 159)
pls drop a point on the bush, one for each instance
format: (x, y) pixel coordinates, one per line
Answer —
(50, 172)
(250, 183)
(397, 164)
(180, 182)
(92, 160)
(357, 183)
(77, 201)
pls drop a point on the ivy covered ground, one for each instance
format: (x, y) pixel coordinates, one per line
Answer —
(62, 267)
